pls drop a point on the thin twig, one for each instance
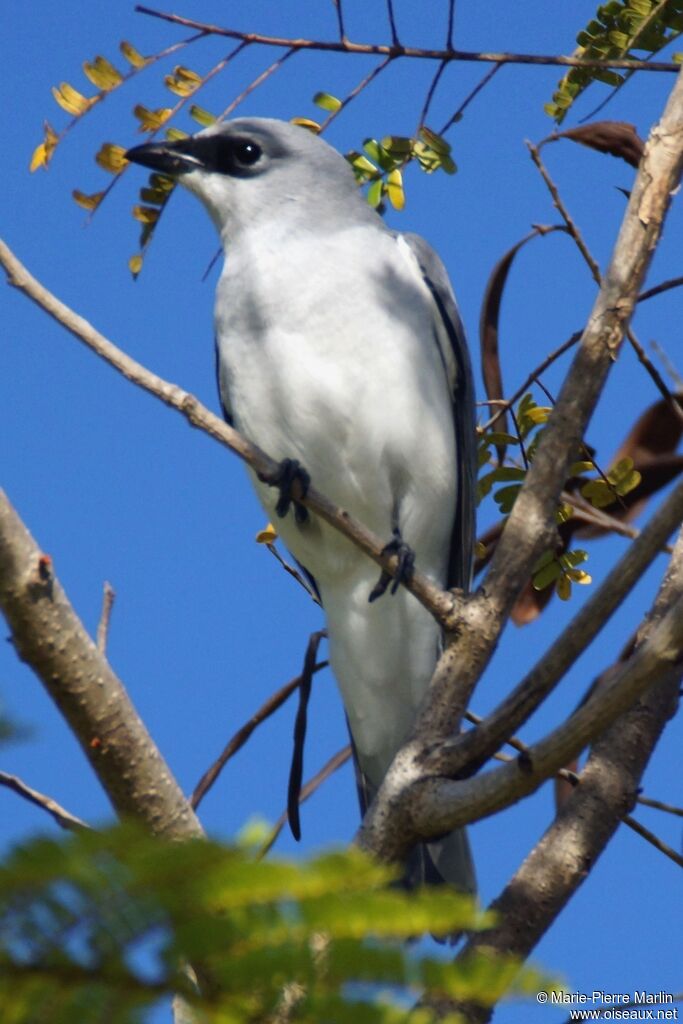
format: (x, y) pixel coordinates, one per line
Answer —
(470, 96)
(340, 20)
(392, 22)
(63, 817)
(259, 80)
(658, 843)
(451, 24)
(650, 293)
(658, 805)
(521, 748)
(564, 212)
(108, 598)
(597, 277)
(587, 513)
(397, 50)
(364, 82)
(670, 368)
(313, 784)
(655, 375)
(430, 95)
(506, 403)
(275, 701)
(294, 573)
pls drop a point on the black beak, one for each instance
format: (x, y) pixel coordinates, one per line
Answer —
(172, 158)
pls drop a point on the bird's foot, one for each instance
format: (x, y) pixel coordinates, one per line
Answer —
(290, 471)
(406, 563)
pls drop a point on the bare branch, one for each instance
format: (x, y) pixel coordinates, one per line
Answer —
(430, 95)
(438, 602)
(259, 80)
(340, 19)
(397, 50)
(658, 289)
(654, 840)
(392, 22)
(587, 820)
(363, 84)
(647, 801)
(294, 573)
(533, 376)
(63, 817)
(451, 24)
(108, 598)
(49, 636)
(597, 277)
(558, 202)
(470, 96)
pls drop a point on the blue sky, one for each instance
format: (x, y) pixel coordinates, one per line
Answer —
(116, 487)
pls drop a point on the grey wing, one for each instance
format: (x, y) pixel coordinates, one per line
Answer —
(450, 336)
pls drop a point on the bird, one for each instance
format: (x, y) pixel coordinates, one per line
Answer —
(341, 353)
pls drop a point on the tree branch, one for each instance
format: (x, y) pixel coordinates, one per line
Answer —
(588, 819)
(397, 50)
(63, 817)
(49, 636)
(108, 598)
(473, 748)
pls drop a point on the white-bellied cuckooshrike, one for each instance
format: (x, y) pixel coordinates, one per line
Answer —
(341, 352)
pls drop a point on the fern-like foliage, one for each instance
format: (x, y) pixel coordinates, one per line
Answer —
(99, 927)
(620, 29)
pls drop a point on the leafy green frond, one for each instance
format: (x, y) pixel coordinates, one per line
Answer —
(620, 479)
(94, 928)
(620, 29)
(381, 165)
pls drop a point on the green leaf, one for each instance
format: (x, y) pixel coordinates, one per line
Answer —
(87, 202)
(151, 120)
(133, 56)
(102, 74)
(547, 575)
(71, 100)
(394, 189)
(435, 141)
(183, 81)
(111, 158)
(506, 497)
(326, 101)
(375, 193)
(202, 116)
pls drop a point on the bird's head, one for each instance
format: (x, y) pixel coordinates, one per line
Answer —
(252, 171)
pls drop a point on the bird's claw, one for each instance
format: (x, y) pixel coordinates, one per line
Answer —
(406, 563)
(289, 471)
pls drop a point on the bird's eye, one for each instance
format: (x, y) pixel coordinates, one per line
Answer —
(247, 153)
